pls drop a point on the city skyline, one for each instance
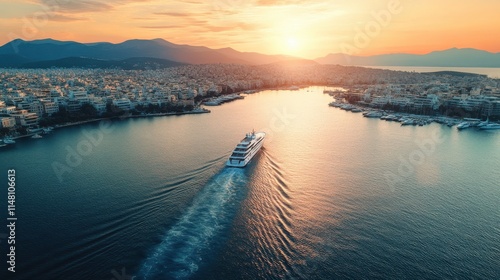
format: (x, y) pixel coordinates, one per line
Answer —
(308, 30)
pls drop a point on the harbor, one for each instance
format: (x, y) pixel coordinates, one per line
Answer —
(222, 99)
(407, 119)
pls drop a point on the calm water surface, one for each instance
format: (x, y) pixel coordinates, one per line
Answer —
(332, 195)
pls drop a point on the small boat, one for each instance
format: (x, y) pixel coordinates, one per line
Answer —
(47, 130)
(389, 118)
(246, 149)
(212, 103)
(481, 124)
(8, 140)
(336, 104)
(408, 122)
(347, 107)
(36, 136)
(463, 125)
(373, 114)
(490, 126)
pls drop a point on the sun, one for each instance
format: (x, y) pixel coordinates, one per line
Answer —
(292, 44)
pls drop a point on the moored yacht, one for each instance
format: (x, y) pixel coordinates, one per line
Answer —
(490, 126)
(463, 125)
(246, 149)
(373, 114)
(9, 140)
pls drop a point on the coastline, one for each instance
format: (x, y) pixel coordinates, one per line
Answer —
(202, 111)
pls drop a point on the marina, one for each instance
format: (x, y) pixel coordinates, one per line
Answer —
(417, 120)
(222, 99)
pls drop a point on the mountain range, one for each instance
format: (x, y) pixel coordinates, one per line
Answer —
(447, 58)
(20, 53)
(159, 53)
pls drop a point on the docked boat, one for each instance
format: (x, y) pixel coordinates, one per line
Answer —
(213, 102)
(336, 104)
(463, 125)
(246, 149)
(481, 124)
(408, 122)
(373, 114)
(47, 130)
(36, 136)
(490, 126)
(8, 140)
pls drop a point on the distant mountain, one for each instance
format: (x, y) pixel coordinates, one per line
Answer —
(295, 62)
(136, 63)
(448, 58)
(20, 53)
(453, 73)
(49, 49)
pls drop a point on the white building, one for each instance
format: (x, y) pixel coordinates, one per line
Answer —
(123, 103)
(100, 106)
(80, 96)
(50, 107)
(24, 118)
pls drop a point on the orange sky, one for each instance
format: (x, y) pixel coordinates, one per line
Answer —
(308, 29)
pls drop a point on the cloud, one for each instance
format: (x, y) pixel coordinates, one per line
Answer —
(161, 26)
(173, 14)
(278, 2)
(85, 5)
(182, 14)
(192, 2)
(241, 26)
(64, 18)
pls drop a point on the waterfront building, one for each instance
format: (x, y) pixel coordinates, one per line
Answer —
(99, 105)
(49, 106)
(73, 106)
(8, 122)
(25, 118)
(123, 103)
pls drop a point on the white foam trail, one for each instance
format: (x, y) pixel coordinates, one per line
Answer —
(180, 253)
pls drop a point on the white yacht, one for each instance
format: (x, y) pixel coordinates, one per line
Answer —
(373, 114)
(463, 125)
(246, 149)
(490, 126)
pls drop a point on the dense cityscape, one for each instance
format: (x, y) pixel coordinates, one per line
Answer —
(33, 99)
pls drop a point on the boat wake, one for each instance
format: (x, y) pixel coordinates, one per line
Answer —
(185, 244)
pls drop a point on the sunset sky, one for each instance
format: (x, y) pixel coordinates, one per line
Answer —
(308, 29)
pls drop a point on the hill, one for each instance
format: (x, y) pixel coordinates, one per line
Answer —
(50, 50)
(448, 58)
